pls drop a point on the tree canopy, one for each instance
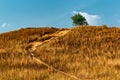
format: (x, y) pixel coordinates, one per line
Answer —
(78, 19)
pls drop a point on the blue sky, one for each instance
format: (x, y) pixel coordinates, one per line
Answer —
(15, 14)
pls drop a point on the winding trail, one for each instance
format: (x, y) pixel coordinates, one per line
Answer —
(33, 46)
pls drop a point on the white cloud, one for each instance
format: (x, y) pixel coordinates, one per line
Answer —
(91, 19)
(4, 25)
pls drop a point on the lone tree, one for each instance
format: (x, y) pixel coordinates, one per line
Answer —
(78, 19)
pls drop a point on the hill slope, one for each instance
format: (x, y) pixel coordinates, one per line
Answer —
(87, 52)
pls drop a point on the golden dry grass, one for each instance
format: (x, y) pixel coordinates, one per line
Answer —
(88, 52)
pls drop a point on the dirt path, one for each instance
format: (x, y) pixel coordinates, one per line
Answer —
(53, 36)
(34, 46)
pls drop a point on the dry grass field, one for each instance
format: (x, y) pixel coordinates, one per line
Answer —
(86, 52)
